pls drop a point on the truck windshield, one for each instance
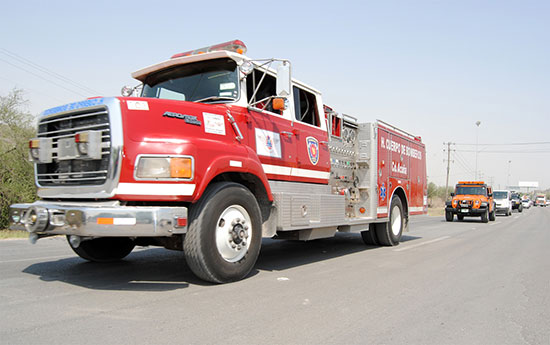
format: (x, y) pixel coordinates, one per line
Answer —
(208, 81)
(462, 190)
(500, 195)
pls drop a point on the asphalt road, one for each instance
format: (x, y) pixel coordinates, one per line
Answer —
(446, 283)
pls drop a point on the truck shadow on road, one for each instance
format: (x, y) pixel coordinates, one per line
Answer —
(158, 269)
(153, 269)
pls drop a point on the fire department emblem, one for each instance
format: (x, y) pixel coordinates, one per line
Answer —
(269, 143)
(312, 150)
(383, 191)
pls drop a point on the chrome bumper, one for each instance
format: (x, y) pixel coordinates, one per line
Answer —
(98, 219)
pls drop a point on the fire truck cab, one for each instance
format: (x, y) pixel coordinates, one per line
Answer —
(216, 152)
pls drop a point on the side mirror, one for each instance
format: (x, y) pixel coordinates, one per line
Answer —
(452, 194)
(283, 79)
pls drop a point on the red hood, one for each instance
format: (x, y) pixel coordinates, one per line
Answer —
(164, 119)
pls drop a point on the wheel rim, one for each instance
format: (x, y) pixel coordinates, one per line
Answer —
(396, 221)
(233, 233)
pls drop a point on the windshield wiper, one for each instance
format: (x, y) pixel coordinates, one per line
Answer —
(215, 98)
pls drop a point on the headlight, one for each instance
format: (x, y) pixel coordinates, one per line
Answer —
(164, 167)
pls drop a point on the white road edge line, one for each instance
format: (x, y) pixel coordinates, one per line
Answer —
(36, 259)
(421, 244)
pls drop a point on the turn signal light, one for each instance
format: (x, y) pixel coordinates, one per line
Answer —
(279, 104)
(34, 144)
(181, 167)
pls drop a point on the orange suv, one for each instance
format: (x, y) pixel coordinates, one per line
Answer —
(471, 199)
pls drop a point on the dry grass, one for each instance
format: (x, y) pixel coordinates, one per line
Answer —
(10, 234)
(436, 211)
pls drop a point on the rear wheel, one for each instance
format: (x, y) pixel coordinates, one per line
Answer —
(389, 234)
(104, 249)
(225, 233)
(492, 215)
(449, 216)
(369, 236)
(520, 208)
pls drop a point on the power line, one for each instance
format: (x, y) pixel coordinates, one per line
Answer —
(39, 76)
(533, 151)
(32, 89)
(509, 144)
(51, 73)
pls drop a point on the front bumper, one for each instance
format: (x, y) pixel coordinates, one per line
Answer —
(503, 209)
(466, 211)
(98, 219)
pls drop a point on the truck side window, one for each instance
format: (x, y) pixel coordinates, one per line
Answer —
(266, 90)
(305, 107)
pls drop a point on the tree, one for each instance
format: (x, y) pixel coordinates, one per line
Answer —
(16, 172)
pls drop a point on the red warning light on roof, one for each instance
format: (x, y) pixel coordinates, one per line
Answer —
(236, 46)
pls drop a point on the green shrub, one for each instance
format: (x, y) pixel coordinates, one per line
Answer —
(16, 172)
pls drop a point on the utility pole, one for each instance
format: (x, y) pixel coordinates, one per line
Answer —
(477, 130)
(448, 166)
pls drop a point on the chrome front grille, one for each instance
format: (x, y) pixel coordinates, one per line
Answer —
(75, 172)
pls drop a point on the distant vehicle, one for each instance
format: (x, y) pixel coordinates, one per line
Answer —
(471, 199)
(526, 203)
(503, 200)
(540, 200)
(516, 202)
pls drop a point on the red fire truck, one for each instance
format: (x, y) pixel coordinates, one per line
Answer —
(217, 152)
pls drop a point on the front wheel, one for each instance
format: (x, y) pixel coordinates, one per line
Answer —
(449, 216)
(485, 216)
(104, 249)
(520, 208)
(225, 233)
(389, 234)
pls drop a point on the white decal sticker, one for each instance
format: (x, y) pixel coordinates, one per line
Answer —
(268, 143)
(214, 123)
(138, 105)
(226, 94)
(227, 86)
(236, 164)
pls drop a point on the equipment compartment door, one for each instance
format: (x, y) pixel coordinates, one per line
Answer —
(383, 188)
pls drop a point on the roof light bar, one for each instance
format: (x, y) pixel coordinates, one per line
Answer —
(236, 46)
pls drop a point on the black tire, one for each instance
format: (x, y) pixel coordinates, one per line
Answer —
(520, 208)
(389, 233)
(492, 216)
(209, 239)
(460, 217)
(449, 216)
(369, 236)
(104, 249)
(485, 217)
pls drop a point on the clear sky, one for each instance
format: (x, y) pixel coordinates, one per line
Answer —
(432, 68)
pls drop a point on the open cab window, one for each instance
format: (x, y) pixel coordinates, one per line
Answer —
(305, 107)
